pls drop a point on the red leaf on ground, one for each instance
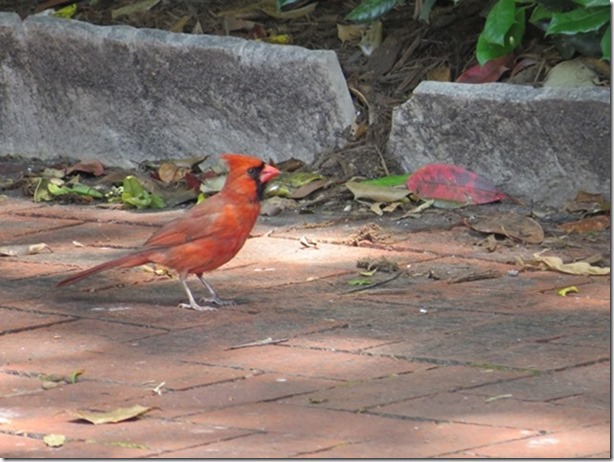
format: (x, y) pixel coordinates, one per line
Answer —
(489, 72)
(453, 183)
(192, 181)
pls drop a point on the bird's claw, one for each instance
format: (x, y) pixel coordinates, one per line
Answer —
(197, 307)
(218, 301)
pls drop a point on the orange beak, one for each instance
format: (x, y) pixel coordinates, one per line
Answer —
(268, 173)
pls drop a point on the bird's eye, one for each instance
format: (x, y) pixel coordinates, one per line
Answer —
(252, 171)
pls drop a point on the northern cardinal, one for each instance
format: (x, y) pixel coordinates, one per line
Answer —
(208, 235)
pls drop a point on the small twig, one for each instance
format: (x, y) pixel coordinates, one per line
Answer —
(266, 341)
(380, 283)
(384, 166)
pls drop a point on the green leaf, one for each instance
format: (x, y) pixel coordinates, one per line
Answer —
(370, 10)
(156, 202)
(578, 20)
(360, 282)
(593, 3)
(485, 50)
(392, 180)
(425, 12)
(85, 190)
(499, 21)
(57, 190)
(605, 43)
(281, 4)
(136, 195)
(540, 13)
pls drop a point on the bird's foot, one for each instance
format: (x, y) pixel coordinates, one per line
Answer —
(218, 301)
(197, 307)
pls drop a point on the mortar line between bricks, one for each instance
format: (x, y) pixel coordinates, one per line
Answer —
(54, 229)
(165, 330)
(321, 450)
(39, 326)
(418, 359)
(60, 216)
(437, 421)
(207, 443)
(539, 433)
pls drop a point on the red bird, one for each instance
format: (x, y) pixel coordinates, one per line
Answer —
(208, 235)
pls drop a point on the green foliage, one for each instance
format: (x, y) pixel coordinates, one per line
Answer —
(585, 21)
(371, 10)
(136, 195)
(575, 25)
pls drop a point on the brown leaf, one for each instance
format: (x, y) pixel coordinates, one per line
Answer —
(309, 188)
(511, 225)
(94, 167)
(587, 225)
(169, 172)
(579, 268)
(117, 415)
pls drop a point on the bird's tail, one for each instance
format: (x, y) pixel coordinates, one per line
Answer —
(128, 261)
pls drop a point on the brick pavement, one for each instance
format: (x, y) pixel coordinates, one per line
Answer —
(418, 367)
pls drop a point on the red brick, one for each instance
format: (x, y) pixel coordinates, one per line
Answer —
(312, 363)
(425, 380)
(257, 446)
(508, 412)
(363, 435)
(252, 388)
(589, 385)
(58, 345)
(577, 443)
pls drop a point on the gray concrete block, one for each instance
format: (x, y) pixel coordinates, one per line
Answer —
(122, 94)
(541, 144)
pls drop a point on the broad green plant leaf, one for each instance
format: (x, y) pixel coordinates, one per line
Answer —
(499, 21)
(284, 5)
(578, 20)
(370, 10)
(136, 195)
(606, 43)
(391, 180)
(593, 3)
(486, 50)
(376, 193)
(539, 15)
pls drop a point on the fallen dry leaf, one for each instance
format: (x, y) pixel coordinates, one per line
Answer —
(54, 441)
(578, 268)
(24, 249)
(512, 225)
(587, 225)
(117, 415)
(94, 167)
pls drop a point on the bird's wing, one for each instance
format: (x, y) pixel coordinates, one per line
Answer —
(216, 218)
(199, 222)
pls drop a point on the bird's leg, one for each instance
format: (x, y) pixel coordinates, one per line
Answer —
(193, 305)
(214, 297)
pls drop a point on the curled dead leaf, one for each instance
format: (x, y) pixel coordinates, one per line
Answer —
(512, 225)
(587, 225)
(117, 415)
(578, 268)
